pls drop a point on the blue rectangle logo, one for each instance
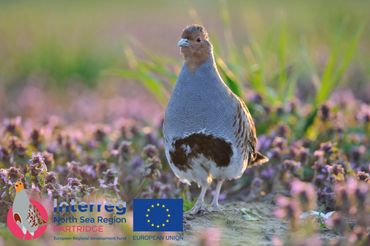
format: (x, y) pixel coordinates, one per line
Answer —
(158, 214)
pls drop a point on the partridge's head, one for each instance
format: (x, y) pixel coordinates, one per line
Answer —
(195, 46)
(19, 186)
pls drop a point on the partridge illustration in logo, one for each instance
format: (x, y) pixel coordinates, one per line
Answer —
(25, 214)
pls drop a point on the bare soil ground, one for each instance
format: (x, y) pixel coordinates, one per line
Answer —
(239, 223)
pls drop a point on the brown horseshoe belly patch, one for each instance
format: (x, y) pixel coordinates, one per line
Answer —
(211, 147)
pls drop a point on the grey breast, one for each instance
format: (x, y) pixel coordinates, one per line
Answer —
(21, 204)
(200, 102)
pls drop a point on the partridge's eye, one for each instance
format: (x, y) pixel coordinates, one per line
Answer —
(198, 40)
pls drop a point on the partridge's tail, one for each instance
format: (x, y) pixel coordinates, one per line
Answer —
(259, 159)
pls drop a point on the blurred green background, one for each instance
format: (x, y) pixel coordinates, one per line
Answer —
(57, 56)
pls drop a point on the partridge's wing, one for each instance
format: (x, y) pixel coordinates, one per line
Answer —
(17, 218)
(34, 218)
(246, 137)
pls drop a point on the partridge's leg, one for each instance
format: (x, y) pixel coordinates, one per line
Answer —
(215, 205)
(199, 205)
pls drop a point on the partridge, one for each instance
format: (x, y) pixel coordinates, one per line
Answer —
(25, 214)
(208, 131)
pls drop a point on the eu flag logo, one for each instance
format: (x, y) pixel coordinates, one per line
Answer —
(158, 215)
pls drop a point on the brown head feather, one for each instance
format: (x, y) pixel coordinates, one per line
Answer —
(199, 49)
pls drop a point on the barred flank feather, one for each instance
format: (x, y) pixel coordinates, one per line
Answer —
(245, 133)
(34, 217)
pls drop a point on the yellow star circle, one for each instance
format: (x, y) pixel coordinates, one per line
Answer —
(160, 206)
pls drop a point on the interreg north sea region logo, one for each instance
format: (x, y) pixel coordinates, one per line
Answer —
(158, 214)
(27, 218)
(87, 216)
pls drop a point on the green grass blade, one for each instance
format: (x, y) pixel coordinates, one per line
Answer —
(153, 85)
(230, 78)
(334, 72)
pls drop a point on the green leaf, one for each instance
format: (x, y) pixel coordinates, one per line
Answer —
(306, 123)
(250, 215)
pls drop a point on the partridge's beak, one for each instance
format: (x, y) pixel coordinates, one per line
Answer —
(183, 42)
